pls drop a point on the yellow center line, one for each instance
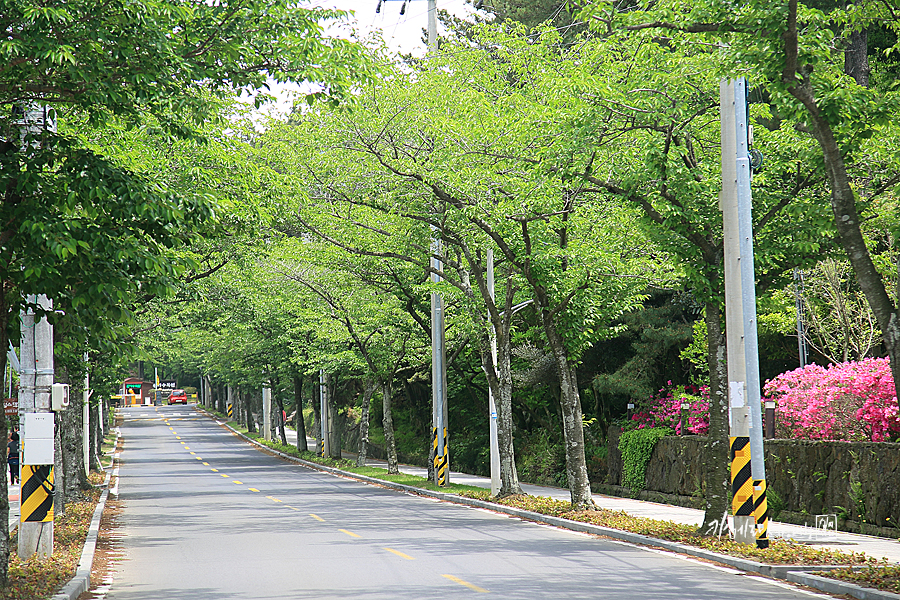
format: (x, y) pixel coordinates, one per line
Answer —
(172, 428)
(194, 453)
(465, 583)
(237, 482)
(350, 533)
(224, 475)
(317, 517)
(186, 448)
(273, 499)
(214, 470)
(291, 507)
(253, 489)
(197, 457)
(400, 554)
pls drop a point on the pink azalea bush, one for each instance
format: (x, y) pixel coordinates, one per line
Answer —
(664, 409)
(849, 401)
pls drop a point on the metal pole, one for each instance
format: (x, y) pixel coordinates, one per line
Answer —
(492, 406)
(801, 328)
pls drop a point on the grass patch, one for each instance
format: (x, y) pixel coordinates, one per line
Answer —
(874, 575)
(37, 579)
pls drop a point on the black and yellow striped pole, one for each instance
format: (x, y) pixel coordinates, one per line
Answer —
(761, 513)
(230, 410)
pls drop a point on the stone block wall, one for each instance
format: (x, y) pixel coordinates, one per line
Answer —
(859, 481)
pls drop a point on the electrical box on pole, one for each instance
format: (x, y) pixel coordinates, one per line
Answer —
(59, 397)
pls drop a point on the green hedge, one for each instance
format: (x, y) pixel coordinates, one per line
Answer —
(636, 447)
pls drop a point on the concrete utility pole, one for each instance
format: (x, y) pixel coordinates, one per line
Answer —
(438, 348)
(86, 416)
(745, 416)
(36, 424)
(492, 406)
(267, 413)
(323, 415)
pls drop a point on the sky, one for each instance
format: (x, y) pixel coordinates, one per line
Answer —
(403, 33)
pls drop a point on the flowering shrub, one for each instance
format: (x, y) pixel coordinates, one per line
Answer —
(848, 401)
(664, 409)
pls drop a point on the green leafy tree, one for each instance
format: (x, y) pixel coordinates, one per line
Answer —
(73, 224)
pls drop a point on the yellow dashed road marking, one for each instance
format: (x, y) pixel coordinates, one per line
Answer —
(317, 517)
(253, 489)
(465, 583)
(237, 482)
(214, 470)
(172, 428)
(206, 464)
(291, 507)
(197, 457)
(273, 499)
(400, 554)
(224, 475)
(350, 533)
(186, 448)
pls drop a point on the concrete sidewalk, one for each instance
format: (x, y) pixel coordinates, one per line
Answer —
(876, 547)
(13, 507)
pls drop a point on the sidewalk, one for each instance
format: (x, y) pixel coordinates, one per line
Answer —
(14, 506)
(876, 547)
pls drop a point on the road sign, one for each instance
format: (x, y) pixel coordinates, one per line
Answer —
(11, 407)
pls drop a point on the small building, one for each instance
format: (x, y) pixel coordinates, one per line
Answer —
(136, 391)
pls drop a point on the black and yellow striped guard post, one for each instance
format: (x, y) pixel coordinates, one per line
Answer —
(741, 481)
(440, 462)
(761, 513)
(37, 494)
(230, 410)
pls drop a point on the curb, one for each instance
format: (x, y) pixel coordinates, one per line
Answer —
(81, 582)
(800, 574)
(833, 586)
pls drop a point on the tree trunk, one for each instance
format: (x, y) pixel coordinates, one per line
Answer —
(59, 468)
(302, 446)
(368, 390)
(4, 481)
(843, 204)
(317, 420)
(716, 471)
(247, 400)
(856, 57)
(570, 402)
(280, 419)
(334, 445)
(388, 423)
(500, 382)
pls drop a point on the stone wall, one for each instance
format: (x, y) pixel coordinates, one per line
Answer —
(859, 481)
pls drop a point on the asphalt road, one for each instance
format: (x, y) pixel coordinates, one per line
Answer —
(208, 517)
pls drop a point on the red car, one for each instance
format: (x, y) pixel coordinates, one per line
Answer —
(177, 396)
